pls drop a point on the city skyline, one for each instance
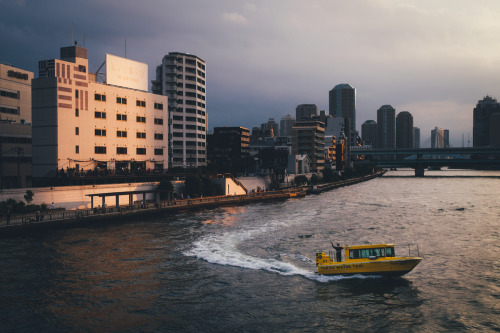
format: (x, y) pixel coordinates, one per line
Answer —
(435, 60)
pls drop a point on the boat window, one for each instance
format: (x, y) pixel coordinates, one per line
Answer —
(365, 253)
(390, 252)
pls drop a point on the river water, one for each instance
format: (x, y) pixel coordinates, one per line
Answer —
(251, 268)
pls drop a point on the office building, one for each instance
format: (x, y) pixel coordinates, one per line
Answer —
(286, 124)
(228, 149)
(308, 138)
(271, 128)
(342, 104)
(82, 124)
(486, 122)
(15, 94)
(182, 77)
(15, 127)
(440, 138)
(386, 127)
(404, 130)
(416, 137)
(306, 112)
(369, 133)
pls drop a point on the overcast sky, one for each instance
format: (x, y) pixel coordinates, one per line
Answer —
(435, 59)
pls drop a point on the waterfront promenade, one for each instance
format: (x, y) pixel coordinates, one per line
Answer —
(59, 217)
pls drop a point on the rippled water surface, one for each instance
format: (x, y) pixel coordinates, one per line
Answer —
(251, 268)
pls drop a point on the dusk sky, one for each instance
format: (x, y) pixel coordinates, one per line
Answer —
(435, 59)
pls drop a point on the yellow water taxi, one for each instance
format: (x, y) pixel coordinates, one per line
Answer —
(373, 259)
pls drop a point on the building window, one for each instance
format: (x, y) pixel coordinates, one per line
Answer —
(121, 134)
(77, 113)
(158, 121)
(158, 151)
(177, 135)
(158, 136)
(100, 150)
(76, 93)
(100, 114)
(9, 94)
(190, 135)
(158, 106)
(191, 127)
(141, 119)
(121, 100)
(82, 69)
(178, 126)
(178, 118)
(122, 117)
(121, 150)
(141, 103)
(141, 135)
(190, 118)
(141, 151)
(77, 149)
(77, 130)
(100, 97)
(100, 132)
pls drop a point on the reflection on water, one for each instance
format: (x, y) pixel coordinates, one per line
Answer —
(252, 268)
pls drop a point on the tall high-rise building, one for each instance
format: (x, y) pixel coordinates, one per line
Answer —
(440, 138)
(486, 122)
(404, 130)
(306, 111)
(286, 124)
(182, 77)
(386, 127)
(82, 124)
(416, 137)
(342, 104)
(369, 133)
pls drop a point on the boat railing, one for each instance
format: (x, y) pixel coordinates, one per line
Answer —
(412, 250)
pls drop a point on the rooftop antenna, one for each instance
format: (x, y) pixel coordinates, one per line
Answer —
(84, 37)
(72, 33)
(125, 47)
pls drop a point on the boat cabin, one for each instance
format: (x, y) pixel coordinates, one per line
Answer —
(371, 251)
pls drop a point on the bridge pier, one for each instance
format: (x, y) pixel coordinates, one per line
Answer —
(419, 171)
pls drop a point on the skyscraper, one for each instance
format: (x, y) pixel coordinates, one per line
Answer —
(486, 121)
(286, 125)
(369, 133)
(404, 130)
(181, 77)
(416, 137)
(305, 111)
(386, 131)
(440, 138)
(342, 104)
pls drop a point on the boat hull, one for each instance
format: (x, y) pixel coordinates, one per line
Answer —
(394, 267)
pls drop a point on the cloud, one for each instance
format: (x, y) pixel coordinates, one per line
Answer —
(234, 18)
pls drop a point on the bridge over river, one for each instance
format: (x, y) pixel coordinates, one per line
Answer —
(422, 158)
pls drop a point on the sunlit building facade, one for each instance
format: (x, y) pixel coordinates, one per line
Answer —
(82, 124)
(182, 77)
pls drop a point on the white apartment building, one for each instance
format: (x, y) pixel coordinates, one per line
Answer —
(182, 77)
(80, 123)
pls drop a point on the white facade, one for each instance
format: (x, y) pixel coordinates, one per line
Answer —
(182, 77)
(83, 124)
(15, 94)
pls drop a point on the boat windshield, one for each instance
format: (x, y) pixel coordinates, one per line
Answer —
(390, 252)
(365, 253)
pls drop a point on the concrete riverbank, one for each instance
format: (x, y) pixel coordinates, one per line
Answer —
(65, 218)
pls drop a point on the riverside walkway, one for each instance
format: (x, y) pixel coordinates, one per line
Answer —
(64, 217)
(140, 208)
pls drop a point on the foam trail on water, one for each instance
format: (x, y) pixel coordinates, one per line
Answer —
(222, 250)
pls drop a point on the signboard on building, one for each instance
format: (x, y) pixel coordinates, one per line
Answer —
(126, 73)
